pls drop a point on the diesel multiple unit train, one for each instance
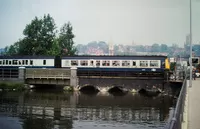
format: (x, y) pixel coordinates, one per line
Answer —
(104, 63)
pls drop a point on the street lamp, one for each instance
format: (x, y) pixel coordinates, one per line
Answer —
(190, 85)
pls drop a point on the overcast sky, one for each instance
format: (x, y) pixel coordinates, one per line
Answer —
(116, 21)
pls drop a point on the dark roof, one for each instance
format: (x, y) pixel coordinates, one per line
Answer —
(115, 57)
(27, 57)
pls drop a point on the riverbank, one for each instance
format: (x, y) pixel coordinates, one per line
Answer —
(11, 86)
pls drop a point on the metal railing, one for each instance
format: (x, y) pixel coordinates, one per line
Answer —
(177, 118)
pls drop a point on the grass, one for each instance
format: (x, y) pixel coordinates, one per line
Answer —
(12, 86)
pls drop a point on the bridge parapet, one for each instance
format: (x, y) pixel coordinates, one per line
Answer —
(47, 73)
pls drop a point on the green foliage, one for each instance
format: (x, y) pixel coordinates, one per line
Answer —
(65, 40)
(172, 66)
(155, 48)
(40, 39)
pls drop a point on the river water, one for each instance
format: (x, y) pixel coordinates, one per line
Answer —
(59, 110)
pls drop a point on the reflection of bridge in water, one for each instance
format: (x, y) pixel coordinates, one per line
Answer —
(72, 107)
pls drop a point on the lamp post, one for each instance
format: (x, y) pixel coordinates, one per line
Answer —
(190, 85)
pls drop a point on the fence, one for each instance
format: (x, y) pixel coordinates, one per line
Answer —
(177, 119)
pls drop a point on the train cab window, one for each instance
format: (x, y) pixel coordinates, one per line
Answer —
(6, 62)
(125, 63)
(44, 62)
(153, 63)
(115, 63)
(105, 63)
(84, 63)
(31, 62)
(134, 63)
(98, 63)
(10, 62)
(144, 63)
(74, 62)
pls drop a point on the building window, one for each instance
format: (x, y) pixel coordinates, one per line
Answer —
(144, 63)
(84, 63)
(154, 63)
(44, 62)
(125, 63)
(74, 62)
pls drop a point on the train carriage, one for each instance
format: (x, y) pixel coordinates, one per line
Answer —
(27, 61)
(156, 64)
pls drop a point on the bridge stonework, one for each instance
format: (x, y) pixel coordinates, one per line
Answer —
(51, 76)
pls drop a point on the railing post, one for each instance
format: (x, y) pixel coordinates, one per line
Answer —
(73, 77)
(21, 74)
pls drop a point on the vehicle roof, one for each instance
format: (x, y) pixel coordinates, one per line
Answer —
(27, 57)
(137, 57)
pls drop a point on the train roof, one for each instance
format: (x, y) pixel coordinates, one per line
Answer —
(27, 57)
(115, 57)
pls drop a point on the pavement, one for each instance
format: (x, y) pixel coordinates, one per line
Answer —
(194, 105)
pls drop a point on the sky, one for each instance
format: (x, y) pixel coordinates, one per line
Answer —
(115, 21)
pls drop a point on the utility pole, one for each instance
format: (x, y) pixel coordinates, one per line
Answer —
(190, 85)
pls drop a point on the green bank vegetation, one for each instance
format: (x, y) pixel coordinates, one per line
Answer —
(8, 86)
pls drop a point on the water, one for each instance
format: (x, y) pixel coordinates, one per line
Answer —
(50, 110)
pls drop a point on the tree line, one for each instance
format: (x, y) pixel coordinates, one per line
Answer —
(42, 38)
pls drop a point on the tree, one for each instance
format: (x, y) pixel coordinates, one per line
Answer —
(39, 35)
(155, 48)
(38, 40)
(65, 40)
(163, 47)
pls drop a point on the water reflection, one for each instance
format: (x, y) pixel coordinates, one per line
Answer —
(75, 110)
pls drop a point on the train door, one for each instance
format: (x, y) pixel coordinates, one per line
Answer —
(57, 62)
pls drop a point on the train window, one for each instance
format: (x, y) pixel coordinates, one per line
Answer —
(98, 63)
(31, 62)
(26, 62)
(10, 62)
(115, 63)
(0, 62)
(154, 63)
(3, 62)
(91, 62)
(19, 62)
(134, 63)
(105, 63)
(23, 62)
(44, 62)
(84, 63)
(125, 63)
(14, 62)
(6, 62)
(74, 62)
(67, 63)
(144, 63)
